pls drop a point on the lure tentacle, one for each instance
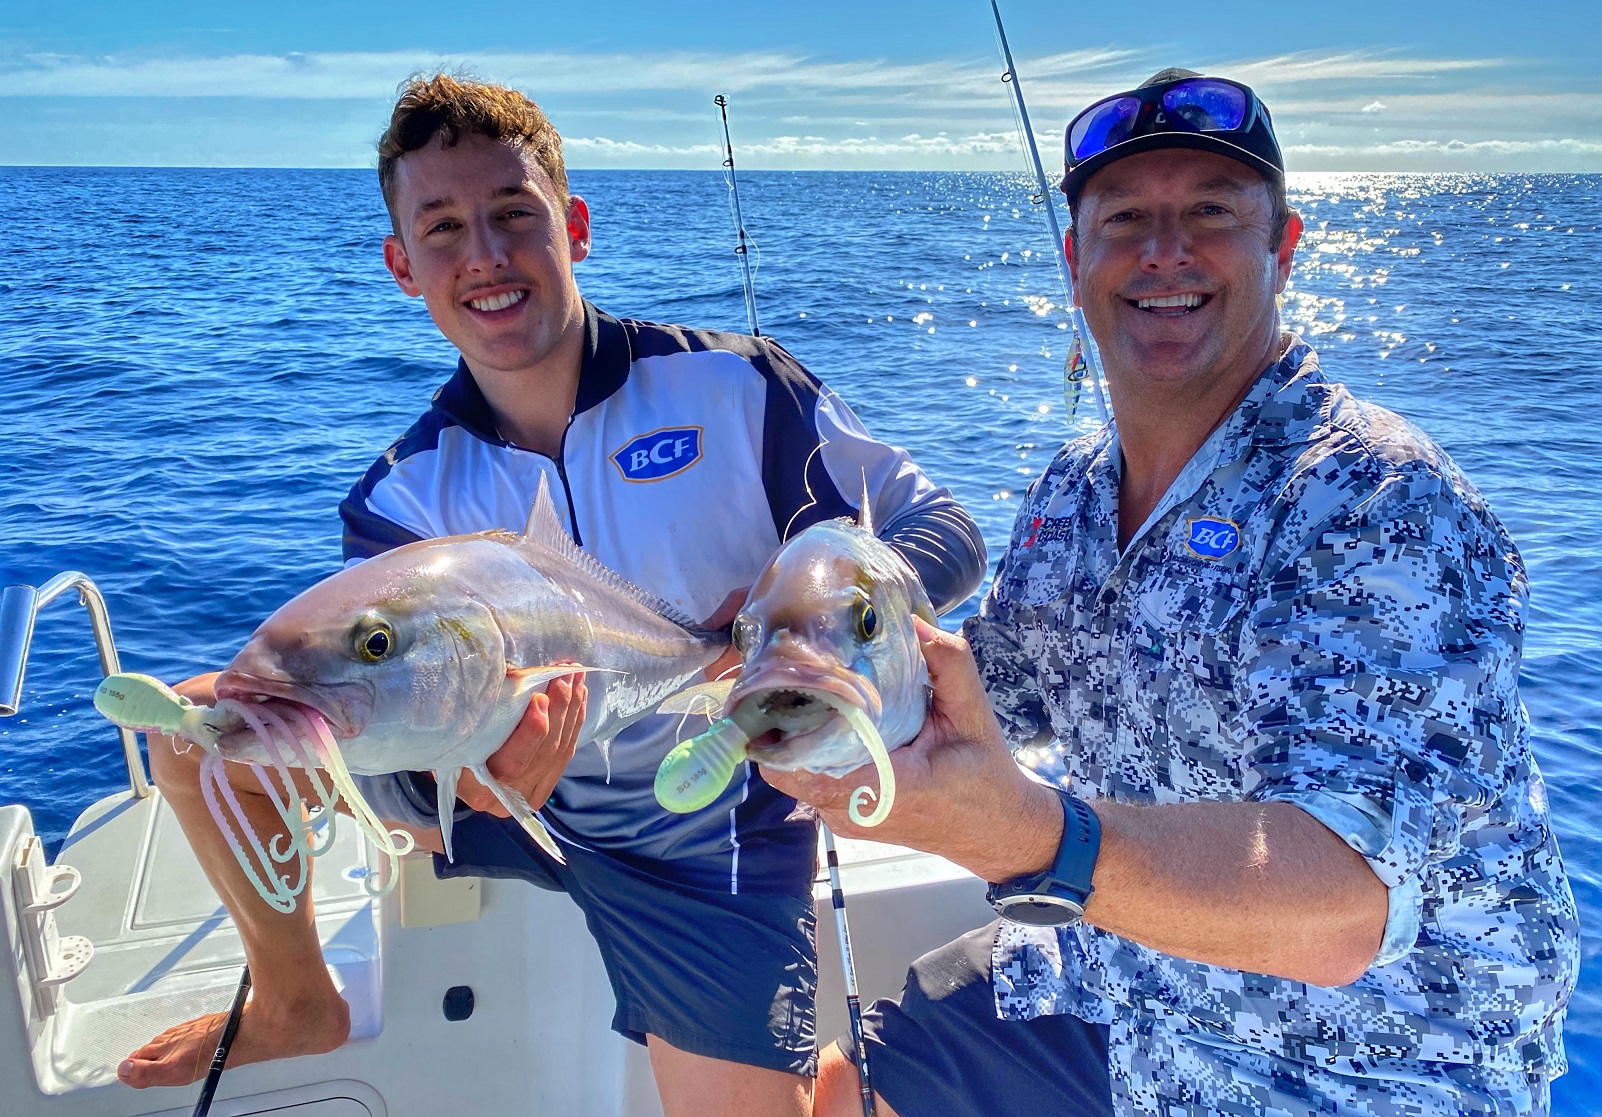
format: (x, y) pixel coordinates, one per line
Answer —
(390, 845)
(214, 778)
(886, 796)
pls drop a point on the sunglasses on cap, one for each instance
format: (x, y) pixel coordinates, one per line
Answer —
(1201, 112)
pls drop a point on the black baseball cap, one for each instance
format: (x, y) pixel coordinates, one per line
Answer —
(1172, 108)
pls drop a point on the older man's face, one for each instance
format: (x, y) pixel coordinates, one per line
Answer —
(1177, 268)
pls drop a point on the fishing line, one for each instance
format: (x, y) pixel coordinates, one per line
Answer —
(853, 1003)
(1082, 362)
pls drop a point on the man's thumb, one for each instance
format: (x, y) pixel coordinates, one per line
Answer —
(950, 660)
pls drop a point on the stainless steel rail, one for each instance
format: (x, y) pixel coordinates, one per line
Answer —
(19, 605)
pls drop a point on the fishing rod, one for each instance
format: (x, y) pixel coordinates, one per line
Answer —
(1082, 362)
(208, 1089)
(742, 250)
(853, 1000)
(842, 928)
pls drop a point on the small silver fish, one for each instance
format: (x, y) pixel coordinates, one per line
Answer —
(832, 673)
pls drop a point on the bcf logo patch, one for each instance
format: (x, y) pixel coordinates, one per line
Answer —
(662, 453)
(1213, 539)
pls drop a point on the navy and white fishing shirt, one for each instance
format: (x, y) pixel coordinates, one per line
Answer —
(1320, 611)
(690, 456)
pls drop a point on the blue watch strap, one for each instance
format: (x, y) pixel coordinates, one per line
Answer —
(1075, 866)
(1058, 895)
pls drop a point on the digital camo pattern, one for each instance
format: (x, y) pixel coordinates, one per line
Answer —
(1355, 650)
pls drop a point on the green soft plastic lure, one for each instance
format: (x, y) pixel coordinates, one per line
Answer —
(148, 705)
(697, 771)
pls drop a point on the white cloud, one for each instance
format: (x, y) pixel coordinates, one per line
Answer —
(329, 75)
(1456, 148)
(810, 147)
(1303, 67)
(653, 109)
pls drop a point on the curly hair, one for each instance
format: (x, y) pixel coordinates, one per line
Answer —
(450, 107)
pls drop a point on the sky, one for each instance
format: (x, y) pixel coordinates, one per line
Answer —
(1365, 85)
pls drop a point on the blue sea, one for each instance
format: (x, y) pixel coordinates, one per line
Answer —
(196, 364)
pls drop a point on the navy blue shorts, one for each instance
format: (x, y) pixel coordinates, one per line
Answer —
(731, 977)
(940, 1051)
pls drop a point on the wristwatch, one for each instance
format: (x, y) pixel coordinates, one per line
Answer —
(1057, 896)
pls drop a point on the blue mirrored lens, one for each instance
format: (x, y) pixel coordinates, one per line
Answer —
(1205, 106)
(1101, 126)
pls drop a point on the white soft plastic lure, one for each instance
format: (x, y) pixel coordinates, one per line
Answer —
(832, 676)
(423, 658)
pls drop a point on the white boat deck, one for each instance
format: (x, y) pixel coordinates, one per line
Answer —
(538, 1041)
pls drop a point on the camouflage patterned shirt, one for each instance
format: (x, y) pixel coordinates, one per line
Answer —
(1320, 611)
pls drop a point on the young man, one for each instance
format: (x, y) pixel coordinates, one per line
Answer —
(680, 459)
(1287, 850)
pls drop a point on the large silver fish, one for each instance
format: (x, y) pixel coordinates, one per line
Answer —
(425, 657)
(832, 675)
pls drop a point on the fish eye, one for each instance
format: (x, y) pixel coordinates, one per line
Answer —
(374, 642)
(867, 621)
(745, 633)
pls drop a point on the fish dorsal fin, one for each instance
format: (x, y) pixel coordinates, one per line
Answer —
(865, 512)
(545, 530)
(544, 526)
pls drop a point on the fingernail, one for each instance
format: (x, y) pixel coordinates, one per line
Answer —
(125, 1068)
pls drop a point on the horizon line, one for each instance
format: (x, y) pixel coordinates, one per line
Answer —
(744, 172)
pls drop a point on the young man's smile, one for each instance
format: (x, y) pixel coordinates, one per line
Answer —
(494, 301)
(486, 240)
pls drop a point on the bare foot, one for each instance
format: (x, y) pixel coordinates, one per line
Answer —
(183, 1054)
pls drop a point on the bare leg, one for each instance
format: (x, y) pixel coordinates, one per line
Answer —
(839, 1088)
(294, 1008)
(697, 1086)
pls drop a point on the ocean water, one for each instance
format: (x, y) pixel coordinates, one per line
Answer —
(196, 364)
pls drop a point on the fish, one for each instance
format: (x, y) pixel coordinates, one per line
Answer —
(424, 658)
(832, 674)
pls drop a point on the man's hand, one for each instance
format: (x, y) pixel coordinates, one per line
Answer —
(535, 755)
(721, 617)
(959, 793)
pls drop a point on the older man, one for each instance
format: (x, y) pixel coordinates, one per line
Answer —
(1287, 850)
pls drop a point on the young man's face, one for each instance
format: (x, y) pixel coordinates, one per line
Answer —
(484, 241)
(1183, 227)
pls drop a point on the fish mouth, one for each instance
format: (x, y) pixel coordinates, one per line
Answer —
(787, 724)
(273, 696)
(786, 702)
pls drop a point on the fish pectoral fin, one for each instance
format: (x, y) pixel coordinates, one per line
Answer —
(519, 809)
(525, 679)
(446, 779)
(702, 698)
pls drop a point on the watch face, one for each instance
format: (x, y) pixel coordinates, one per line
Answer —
(1040, 910)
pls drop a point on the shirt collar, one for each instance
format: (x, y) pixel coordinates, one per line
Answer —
(1288, 404)
(607, 356)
